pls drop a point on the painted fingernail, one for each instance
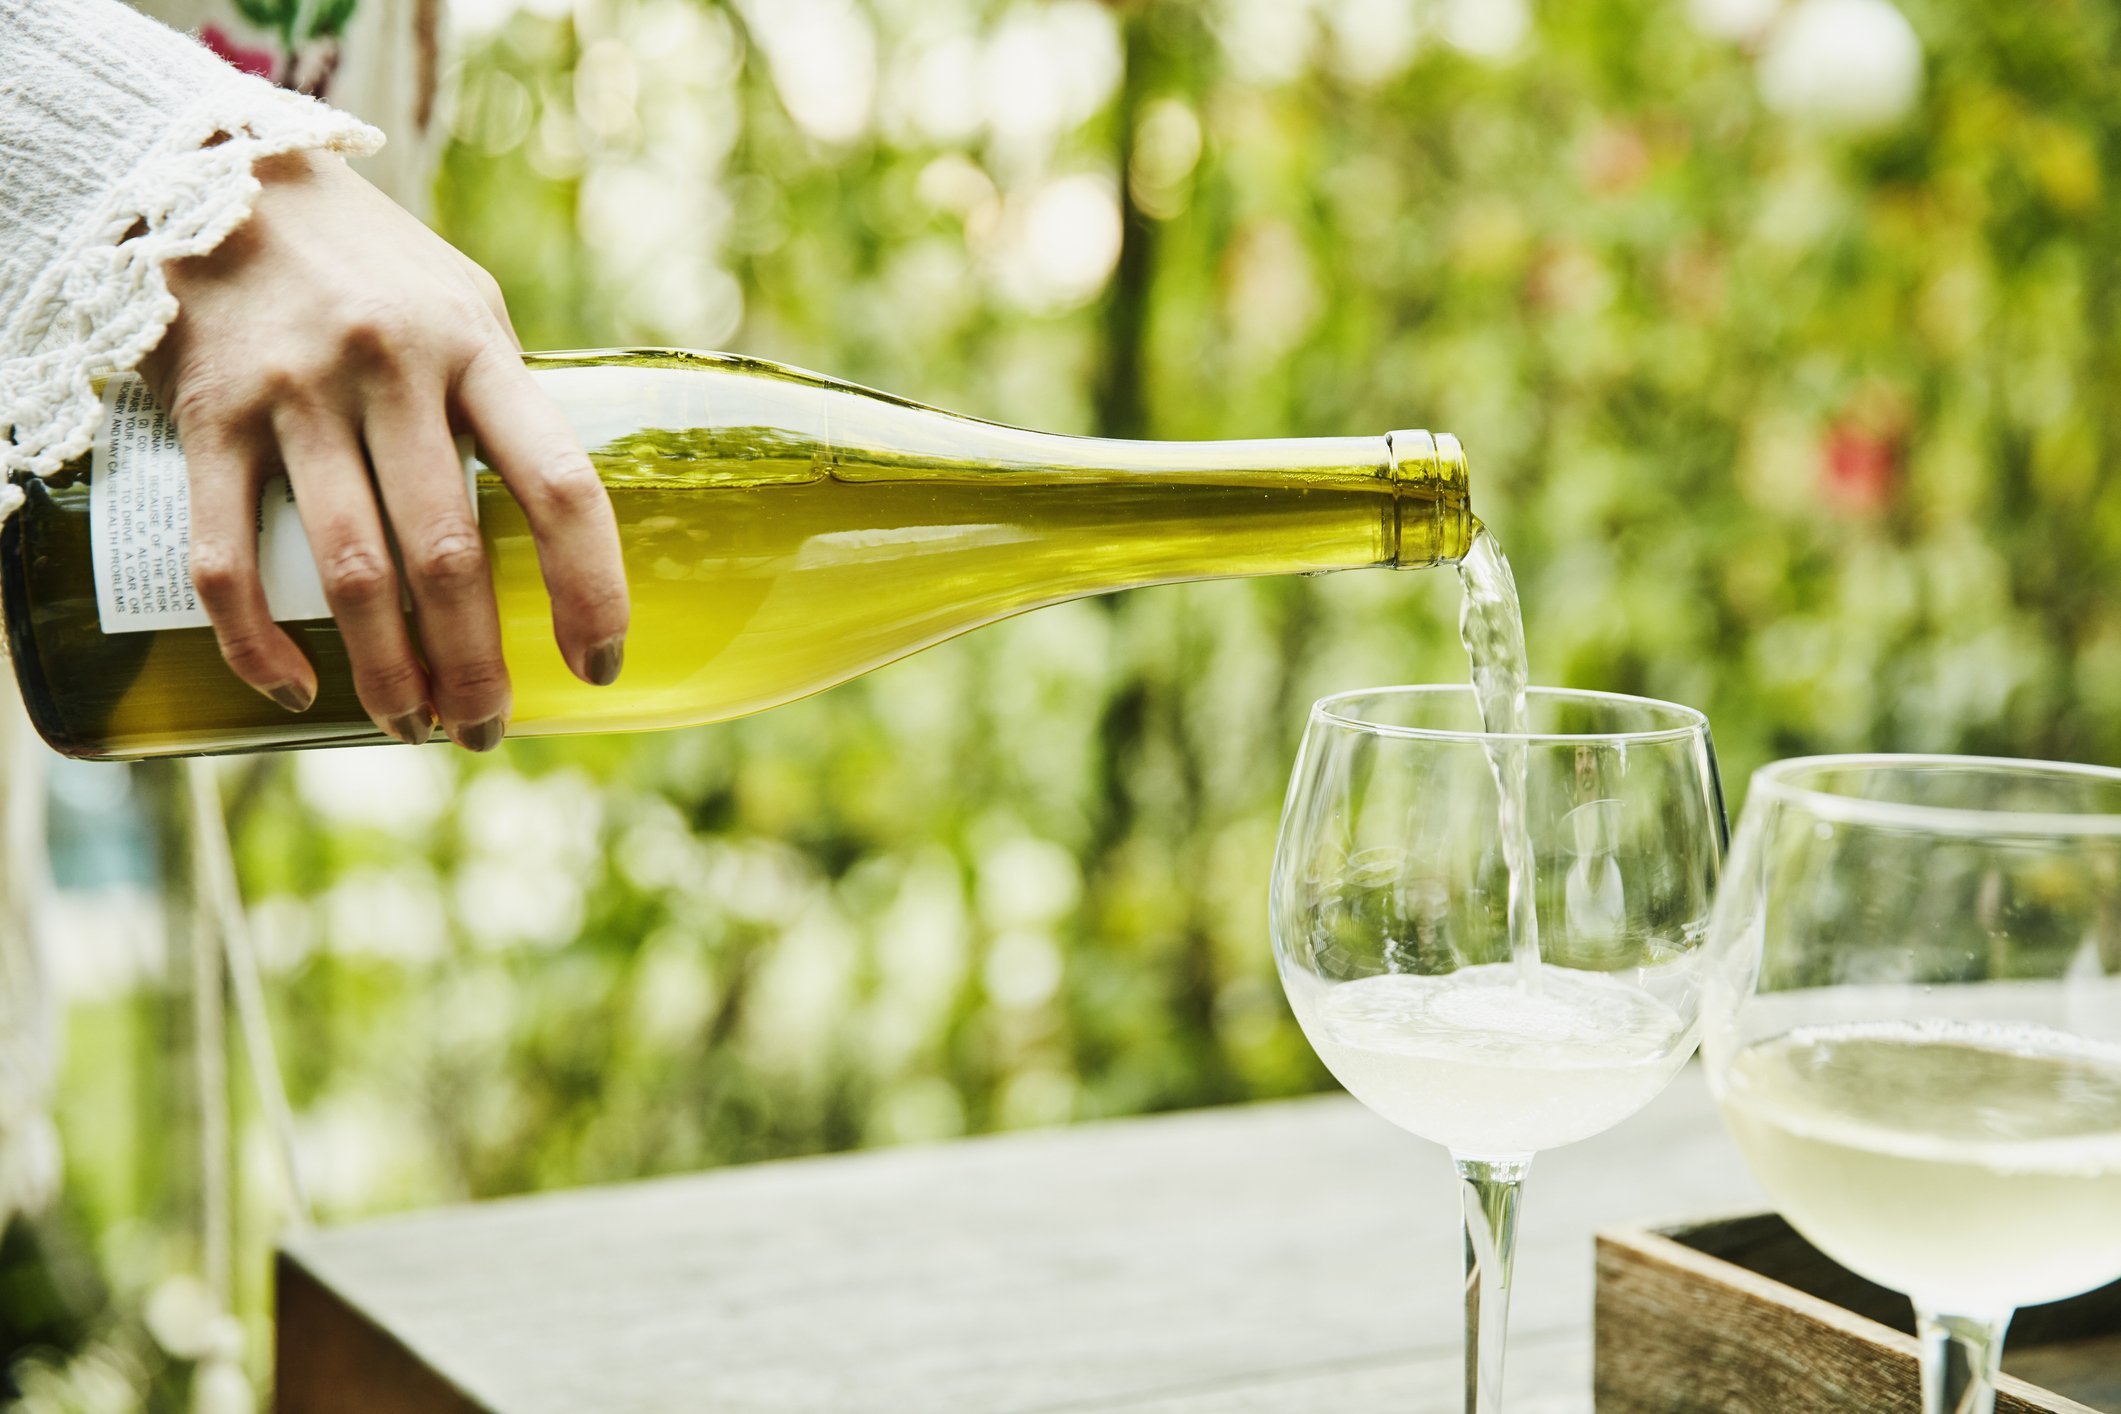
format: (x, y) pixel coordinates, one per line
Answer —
(480, 736)
(605, 660)
(413, 728)
(294, 696)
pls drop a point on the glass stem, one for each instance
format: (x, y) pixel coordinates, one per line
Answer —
(1488, 1193)
(1960, 1355)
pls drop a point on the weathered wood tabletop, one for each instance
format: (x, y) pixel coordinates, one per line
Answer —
(1263, 1259)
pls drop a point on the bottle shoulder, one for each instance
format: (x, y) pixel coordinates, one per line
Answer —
(716, 363)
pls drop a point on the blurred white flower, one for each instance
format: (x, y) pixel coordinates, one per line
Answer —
(1486, 29)
(504, 904)
(1373, 40)
(1268, 41)
(1025, 882)
(939, 90)
(822, 54)
(1023, 969)
(536, 822)
(1167, 147)
(102, 1379)
(1037, 1096)
(115, 939)
(477, 18)
(31, 1161)
(387, 788)
(607, 89)
(1742, 20)
(920, 1109)
(1042, 71)
(219, 1385)
(674, 992)
(699, 303)
(658, 850)
(921, 942)
(955, 183)
(933, 275)
(358, 1148)
(391, 913)
(683, 44)
(182, 1315)
(757, 881)
(483, 1002)
(802, 994)
(1049, 68)
(1848, 65)
(283, 930)
(555, 151)
(650, 229)
(1059, 244)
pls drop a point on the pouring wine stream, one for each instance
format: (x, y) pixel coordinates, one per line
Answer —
(1491, 626)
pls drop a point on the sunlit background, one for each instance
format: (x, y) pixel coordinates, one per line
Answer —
(1784, 339)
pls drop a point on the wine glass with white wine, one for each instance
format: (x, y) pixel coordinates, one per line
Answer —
(1914, 1032)
(1492, 939)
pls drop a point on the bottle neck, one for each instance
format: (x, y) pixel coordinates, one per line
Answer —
(1087, 515)
(1432, 492)
(1395, 501)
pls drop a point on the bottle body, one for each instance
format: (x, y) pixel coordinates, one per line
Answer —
(782, 532)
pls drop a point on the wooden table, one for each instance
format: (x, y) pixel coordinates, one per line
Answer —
(1267, 1259)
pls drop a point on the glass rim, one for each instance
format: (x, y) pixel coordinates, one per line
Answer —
(1774, 782)
(1331, 709)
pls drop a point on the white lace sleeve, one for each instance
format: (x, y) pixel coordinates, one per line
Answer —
(124, 145)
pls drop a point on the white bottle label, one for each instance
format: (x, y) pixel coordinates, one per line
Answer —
(139, 512)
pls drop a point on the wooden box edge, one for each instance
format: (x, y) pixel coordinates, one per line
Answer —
(1653, 1356)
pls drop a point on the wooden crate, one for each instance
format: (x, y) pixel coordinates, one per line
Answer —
(1742, 1314)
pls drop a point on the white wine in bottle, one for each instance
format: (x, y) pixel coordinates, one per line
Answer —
(782, 532)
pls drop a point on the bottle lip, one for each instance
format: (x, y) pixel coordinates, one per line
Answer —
(1436, 461)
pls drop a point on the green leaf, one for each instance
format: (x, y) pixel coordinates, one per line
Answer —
(331, 17)
(268, 14)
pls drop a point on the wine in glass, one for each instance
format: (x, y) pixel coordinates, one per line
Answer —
(1497, 1035)
(1915, 1032)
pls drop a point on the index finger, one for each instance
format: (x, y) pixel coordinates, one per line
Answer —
(225, 473)
(526, 440)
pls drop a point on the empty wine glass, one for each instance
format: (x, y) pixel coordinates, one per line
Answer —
(1915, 1032)
(1390, 911)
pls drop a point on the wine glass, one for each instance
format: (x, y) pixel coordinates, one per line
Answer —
(1914, 1031)
(1393, 930)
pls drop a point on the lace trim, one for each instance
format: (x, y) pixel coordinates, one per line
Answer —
(104, 305)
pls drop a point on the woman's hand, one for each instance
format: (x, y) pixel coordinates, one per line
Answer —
(332, 332)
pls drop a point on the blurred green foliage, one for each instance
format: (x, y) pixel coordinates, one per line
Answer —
(1807, 427)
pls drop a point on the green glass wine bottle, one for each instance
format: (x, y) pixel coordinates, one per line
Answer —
(782, 531)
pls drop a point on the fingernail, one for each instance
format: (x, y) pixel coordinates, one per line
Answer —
(605, 660)
(480, 736)
(294, 696)
(413, 728)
